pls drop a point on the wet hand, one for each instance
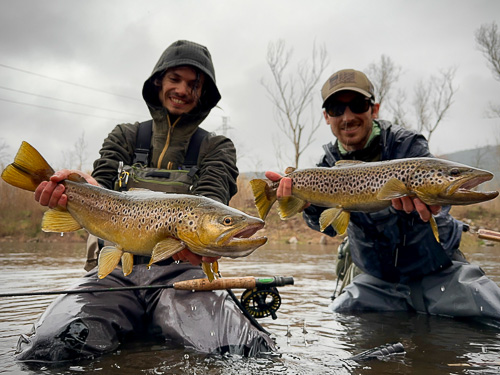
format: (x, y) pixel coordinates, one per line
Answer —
(187, 255)
(410, 204)
(51, 193)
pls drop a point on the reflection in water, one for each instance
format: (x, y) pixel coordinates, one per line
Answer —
(311, 339)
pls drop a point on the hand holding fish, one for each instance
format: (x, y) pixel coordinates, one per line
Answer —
(51, 193)
(409, 205)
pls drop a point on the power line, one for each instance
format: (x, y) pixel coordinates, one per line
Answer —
(67, 101)
(67, 82)
(59, 110)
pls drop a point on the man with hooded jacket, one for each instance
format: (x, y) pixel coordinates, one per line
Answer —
(180, 93)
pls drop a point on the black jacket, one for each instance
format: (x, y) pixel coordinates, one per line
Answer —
(389, 244)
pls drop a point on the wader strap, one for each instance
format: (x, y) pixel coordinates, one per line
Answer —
(143, 143)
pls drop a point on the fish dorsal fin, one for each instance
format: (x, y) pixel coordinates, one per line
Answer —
(289, 206)
(58, 220)
(340, 163)
(337, 218)
(165, 249)
(75, 177)
(290, 170)
(127, 263)
(393, 189)
(108, 260)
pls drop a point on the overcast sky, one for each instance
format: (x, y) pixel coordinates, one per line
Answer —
(111, 48)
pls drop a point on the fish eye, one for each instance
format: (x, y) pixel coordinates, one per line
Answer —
(228, 220)
(454, 172)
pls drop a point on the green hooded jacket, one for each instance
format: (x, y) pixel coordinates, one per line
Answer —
(217, 156)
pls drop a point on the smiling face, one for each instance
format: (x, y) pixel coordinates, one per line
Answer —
(351, 129)
(181, 89)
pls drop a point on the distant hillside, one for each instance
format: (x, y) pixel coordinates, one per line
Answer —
(487, 157)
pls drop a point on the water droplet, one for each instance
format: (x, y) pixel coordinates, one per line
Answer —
(212, 333)
(443, 289)
(186, 356)
(193, 308)
(481, 308)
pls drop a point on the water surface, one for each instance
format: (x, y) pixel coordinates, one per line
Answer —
(311, 339)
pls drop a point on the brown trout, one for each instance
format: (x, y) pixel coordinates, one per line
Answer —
(368, 187)
(140, 222)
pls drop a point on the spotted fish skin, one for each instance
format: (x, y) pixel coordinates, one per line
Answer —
(140, 222)
(368, 187)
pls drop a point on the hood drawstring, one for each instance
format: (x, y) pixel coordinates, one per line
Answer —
(167, 143)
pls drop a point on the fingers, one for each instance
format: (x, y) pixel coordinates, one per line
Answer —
(51, 194)
(273, 176)
(187, 255)
(285, 188)
(408, 205)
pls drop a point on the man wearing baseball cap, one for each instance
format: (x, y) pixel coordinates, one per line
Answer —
(396, 261)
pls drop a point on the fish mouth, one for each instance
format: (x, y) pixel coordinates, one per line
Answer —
(241, 243)
(460, 191)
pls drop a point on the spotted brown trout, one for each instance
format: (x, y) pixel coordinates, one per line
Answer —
(140, 222)
(368, 187)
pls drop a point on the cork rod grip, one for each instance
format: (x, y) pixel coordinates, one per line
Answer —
(488, 235)
(223, 283)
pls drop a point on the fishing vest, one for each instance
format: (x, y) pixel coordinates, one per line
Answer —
(139, 176)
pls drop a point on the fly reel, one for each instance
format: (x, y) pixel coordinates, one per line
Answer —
(261, 302)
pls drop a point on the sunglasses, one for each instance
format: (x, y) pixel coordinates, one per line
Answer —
(357, 105)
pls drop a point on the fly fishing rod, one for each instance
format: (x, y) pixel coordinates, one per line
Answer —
(197, 285)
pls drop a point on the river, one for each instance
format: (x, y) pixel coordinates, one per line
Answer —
(311, 339)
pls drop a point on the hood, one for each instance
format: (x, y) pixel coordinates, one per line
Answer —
(179, 53)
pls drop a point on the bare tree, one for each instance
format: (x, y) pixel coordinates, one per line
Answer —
(3, 154)
(488, 42)
(77, 156)
(293, 94)
(433, 100)
(383, 75)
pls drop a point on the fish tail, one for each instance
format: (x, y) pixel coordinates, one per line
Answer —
(28, 170)
(264, 196)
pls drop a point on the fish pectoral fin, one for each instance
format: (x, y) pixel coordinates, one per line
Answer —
(210, 269)
(127, 263)
(434, 227)
(337, 218)
(392, 189)
(289, 206)
(264, 197)
(165, 249)
(108, 260)
(57, 220)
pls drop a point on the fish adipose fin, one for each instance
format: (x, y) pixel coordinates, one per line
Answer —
(59, 221)
(127, 263)
(337, 218)
(263, 195)
(289, 206)
(393, 189)
(28, 169)
(108, 260)
(165, 249)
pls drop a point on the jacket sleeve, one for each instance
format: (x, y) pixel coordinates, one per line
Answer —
(118, 146)
(218, 171)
